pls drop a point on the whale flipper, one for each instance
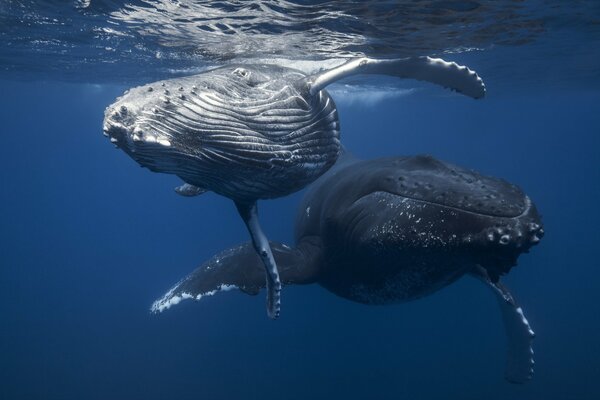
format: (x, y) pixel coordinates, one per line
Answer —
(188, 190)
(519, 335)
(241, 268)
(434, 70)
(249, 213)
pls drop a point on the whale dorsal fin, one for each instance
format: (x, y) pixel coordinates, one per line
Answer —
(241, 268)
(434, 70)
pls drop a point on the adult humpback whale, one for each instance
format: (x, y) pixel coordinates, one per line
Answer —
(392, 230)
(252, 132)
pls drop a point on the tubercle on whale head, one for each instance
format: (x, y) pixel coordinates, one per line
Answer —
(121, 121)
(116, 124)
(500, 245)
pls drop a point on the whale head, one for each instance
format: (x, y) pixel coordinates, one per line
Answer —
(243, 131)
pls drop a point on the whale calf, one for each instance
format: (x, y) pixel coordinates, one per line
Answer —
(251, 132)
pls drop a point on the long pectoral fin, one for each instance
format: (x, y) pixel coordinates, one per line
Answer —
(519, 335)
(434, 70)
(240, 268)
(249, 214)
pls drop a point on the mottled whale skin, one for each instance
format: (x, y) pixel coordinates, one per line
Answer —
(395, 229)
(392, 230)
(251, 132)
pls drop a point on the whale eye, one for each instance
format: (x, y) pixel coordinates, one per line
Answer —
(244, 73)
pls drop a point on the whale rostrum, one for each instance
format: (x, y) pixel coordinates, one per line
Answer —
(251, 132)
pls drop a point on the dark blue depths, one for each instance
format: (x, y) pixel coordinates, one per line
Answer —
(88, 240)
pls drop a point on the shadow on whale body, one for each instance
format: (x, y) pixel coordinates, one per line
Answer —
(391, 230)
(251, 132)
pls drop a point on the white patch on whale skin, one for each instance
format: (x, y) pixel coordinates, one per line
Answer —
(525, 322)
(150, 139)
(520, 362)
(312, 165)
(164, 142)
(168, 300)
(365, 95)
(82, 3)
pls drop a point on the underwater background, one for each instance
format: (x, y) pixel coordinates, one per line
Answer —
(88, 240)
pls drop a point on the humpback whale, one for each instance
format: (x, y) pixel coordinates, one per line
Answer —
(251, 132)
(392, 230)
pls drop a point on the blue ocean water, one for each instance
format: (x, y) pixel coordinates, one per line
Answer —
(88, 240)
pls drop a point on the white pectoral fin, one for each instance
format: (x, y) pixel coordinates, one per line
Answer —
(434, 70)
(188, 190)
(519, 335)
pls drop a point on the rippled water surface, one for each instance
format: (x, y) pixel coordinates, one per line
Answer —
(132, 41)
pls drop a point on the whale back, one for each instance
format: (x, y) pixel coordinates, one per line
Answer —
(244, 131)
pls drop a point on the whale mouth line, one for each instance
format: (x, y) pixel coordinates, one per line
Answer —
(527, 209)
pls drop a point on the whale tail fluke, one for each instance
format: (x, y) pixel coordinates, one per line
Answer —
(240, 268)
(434, 70)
